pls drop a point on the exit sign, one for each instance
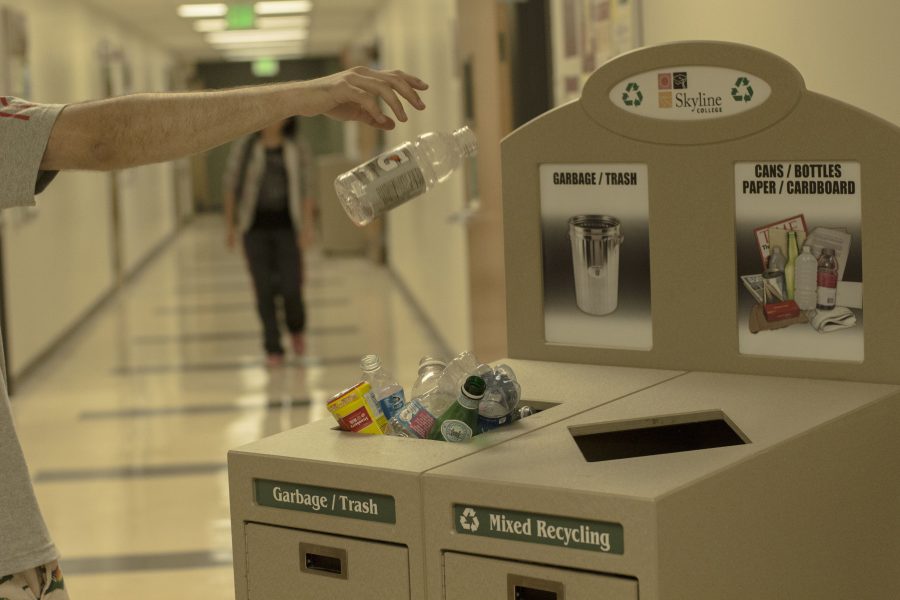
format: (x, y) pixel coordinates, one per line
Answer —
(241, 16)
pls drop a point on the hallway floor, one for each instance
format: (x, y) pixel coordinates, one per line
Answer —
(126, 426)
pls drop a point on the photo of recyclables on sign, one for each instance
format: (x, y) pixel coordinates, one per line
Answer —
(800, 259)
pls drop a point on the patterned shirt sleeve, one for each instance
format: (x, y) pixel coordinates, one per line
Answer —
(24, 131)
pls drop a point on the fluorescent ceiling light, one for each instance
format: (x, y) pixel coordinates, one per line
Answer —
(283, 7)
(209, 25)
(280, 46)
(250, 36)
(256, 54)
(282, 22)
(192, 11)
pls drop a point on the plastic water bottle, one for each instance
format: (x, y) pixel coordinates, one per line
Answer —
(430, 370)
(388, 392)
(413, 420)
(827, 278)
(805, 276)
(500, 400)
(401, 174)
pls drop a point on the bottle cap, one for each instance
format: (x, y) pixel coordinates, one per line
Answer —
(427, 361)
(370, 362)
(474, 387)
(465, 137)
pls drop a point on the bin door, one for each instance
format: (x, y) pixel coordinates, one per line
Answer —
(467, 577)
(287, 564)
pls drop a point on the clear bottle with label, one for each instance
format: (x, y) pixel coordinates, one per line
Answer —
(459, 422)
(790, 267)
(401, 174)
(413, 420)
(805, 277)
(386, 389)
(500, 399)
(827, 279)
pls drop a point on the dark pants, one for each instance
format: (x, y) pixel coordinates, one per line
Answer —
(276, 267)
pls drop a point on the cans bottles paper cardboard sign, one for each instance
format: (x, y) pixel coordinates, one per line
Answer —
(815, 203)
(596, 255)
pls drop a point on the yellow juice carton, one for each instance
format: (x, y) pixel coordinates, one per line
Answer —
(356, 409)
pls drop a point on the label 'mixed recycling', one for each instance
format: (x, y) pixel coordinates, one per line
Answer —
(326, 501)
(596, 536)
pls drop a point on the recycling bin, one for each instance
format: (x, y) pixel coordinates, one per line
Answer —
(339, 515)
(705, 486)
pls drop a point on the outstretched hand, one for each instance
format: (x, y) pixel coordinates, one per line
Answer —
(353, 95)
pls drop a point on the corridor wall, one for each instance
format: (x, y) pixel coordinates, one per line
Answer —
(58, 256)
(846, 50)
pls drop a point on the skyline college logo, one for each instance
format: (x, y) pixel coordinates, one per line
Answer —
(667, 82)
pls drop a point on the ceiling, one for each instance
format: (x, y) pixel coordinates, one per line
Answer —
(334, 25)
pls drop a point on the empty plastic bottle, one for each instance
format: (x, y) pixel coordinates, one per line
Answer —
(500, 399)
(805, 277)
(430, 370)
(413, 420)
(388, 392)
(401, 174)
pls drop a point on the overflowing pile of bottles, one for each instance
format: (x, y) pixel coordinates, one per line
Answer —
(451, 401)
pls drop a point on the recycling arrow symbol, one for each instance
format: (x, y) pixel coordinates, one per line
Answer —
(742, 90)
(468, 520)
(632, 100)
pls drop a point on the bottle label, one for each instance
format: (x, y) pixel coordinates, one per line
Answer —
(455, 431)
(826, 296)
(488, 423)
(395, 175)
(422, 422)
(826, 279)
(391, 404)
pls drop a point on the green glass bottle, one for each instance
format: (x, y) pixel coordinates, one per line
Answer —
(791, 267)
(459, 422)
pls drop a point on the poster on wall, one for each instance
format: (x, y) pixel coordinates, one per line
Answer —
(586, 34)
(799, 259)
(596, 255)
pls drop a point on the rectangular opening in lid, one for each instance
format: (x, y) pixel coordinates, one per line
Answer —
(656, 435)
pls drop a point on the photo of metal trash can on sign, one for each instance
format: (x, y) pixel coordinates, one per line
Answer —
(595, 257)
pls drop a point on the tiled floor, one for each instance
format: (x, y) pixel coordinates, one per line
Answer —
(126, 427)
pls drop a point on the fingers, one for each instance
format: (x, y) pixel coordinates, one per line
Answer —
(387, 85)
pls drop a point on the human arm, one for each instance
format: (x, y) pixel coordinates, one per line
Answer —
(142, 129)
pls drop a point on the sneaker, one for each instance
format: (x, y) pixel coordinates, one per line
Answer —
(274, 361)
(298, 343)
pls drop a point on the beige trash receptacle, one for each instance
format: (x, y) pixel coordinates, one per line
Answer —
(708, 485)
(343, 501)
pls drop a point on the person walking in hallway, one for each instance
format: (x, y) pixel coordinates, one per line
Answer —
(267, 180)
(39, 140)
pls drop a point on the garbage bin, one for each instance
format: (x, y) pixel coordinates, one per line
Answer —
(339, 515)
(595, 241)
